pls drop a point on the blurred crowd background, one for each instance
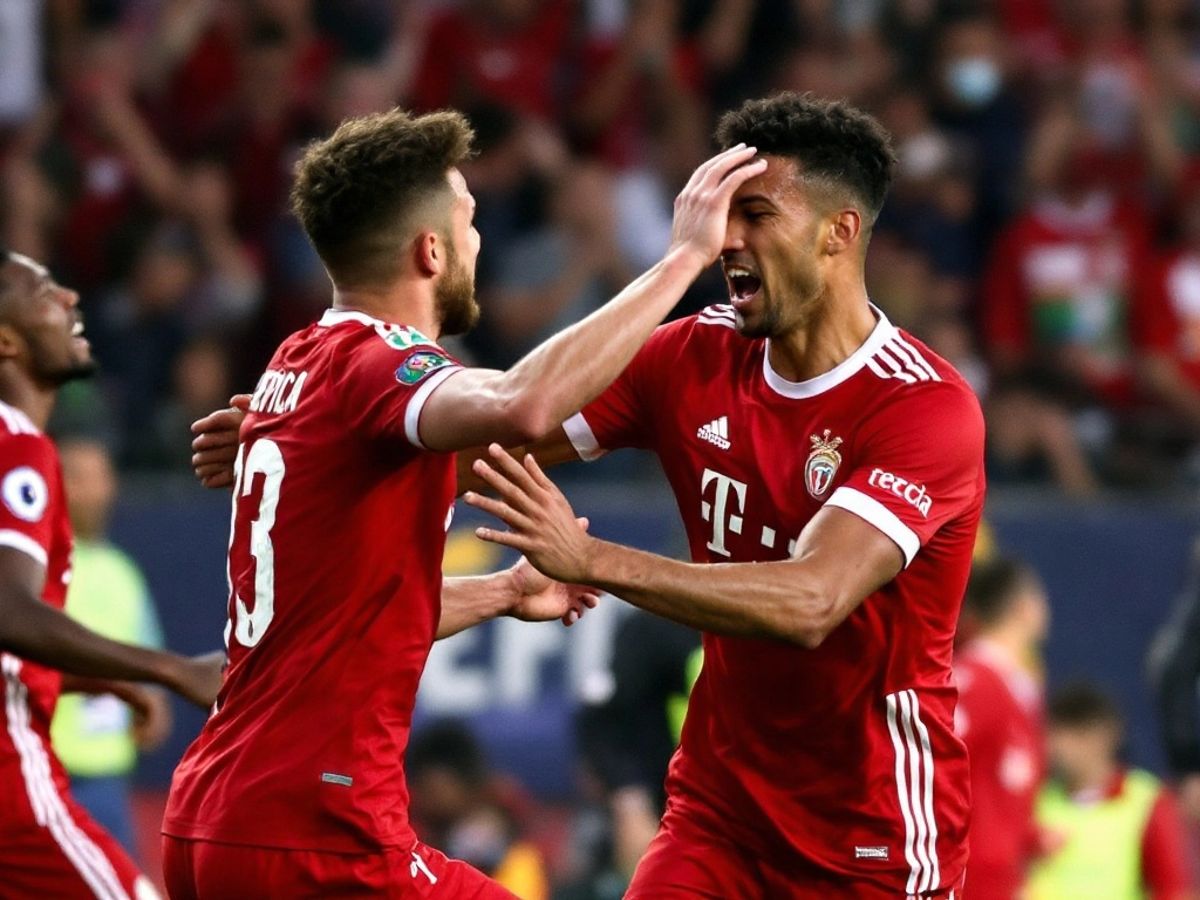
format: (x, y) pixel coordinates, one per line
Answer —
(1043, 233)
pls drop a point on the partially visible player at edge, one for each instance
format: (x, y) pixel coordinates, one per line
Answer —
(49, 846)
(343, 495)
(829, 470)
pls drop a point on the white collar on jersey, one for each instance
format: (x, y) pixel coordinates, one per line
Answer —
(337, 316)
(799, 390)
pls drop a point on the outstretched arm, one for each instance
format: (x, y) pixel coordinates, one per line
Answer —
(521, 592)
(839, 560)
(556, 380)
(40, 633)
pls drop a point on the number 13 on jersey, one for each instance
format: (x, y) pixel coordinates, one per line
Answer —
(262, 457)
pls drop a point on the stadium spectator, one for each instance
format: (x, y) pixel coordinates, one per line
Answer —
(1117, 830)
(999, 718)
(95, 736)
(462, 806)
(556, 275)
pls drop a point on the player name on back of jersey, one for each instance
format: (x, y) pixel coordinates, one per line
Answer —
(278, 391)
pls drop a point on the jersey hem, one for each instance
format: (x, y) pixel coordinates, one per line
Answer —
(582, 438)
(412, 413)
(23, 542)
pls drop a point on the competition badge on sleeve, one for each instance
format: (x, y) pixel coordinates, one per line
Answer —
(822, 465)
(421, 364)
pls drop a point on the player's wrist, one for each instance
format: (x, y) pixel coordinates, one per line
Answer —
(686, 258)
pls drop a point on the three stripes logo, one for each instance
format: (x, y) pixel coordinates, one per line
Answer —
(715, 432)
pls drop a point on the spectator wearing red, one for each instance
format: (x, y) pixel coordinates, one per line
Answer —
(508, 52)
(1061, 284)
(999, 717)
(1168, 324)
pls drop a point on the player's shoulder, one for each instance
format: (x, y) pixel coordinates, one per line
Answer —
(713, 325)
(911, 378)
(15, 423)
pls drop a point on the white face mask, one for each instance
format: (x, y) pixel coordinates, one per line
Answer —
(973, 80)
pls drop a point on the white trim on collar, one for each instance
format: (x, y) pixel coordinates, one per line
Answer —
(338, 316)
(800, 390)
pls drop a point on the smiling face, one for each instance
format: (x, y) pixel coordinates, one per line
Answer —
(774, 257)
(40, 325)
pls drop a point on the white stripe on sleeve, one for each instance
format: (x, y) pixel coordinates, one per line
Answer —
(579, 432)
(412, 415)
(24, 543)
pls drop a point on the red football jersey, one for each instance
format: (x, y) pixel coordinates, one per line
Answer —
(843, 757)
(339, 523)
(33, 520)
(999, 718)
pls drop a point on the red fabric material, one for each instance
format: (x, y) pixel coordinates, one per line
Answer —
(794, 754)
(340, 525)
(1165, 852)
(999, 717)
(200, 870)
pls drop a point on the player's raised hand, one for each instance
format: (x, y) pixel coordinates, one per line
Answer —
(214, 448)
(542, 599)
(542, 524)
(702, 207)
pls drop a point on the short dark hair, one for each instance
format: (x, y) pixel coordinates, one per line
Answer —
(357, 192)
(1082, 704)
(993, 586)
(830, 140)
(450, 746)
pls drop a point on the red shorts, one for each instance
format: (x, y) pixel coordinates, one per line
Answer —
(684, 862)
(205, 870)
(68, 858)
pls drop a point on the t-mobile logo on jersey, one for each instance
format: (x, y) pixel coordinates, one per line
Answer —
(719, 512)
(910, 493)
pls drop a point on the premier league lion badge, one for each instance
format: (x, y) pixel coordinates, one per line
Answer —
(822, 465)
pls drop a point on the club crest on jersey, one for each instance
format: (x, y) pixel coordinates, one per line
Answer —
(400, 337)
(421, 364)
(822, 465)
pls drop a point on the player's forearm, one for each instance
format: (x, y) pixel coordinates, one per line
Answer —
(41, 634)
(756, 600)
(471, 600)
(562, 375)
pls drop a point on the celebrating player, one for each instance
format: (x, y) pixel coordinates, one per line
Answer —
(829, 471)
(295, 786)
(51, 847)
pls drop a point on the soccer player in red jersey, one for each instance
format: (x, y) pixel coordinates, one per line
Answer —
(999, 718)
(343, 494)
(829, 470)
(49, 846)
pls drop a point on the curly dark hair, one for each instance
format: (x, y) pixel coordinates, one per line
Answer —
(361, 192)
(830, 141)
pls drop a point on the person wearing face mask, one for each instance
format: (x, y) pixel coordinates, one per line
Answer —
(973, 103)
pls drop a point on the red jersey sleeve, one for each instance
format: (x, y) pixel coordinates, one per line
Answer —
(28, 475)
(1165, 868)
(385, 384)
(920, 467)
(621, 416)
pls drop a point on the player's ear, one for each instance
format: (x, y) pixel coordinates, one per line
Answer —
(842, 231)
(11, 342)
(429, 252)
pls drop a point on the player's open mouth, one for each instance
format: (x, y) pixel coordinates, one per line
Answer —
(77, 328)
(744, 285)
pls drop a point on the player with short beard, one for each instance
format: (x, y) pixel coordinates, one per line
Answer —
(829, 470)
(51, 847)
(344, 490)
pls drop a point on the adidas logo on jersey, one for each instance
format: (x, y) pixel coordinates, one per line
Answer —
(715, 432)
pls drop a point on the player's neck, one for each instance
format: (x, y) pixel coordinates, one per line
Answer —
(828, 338)
(407, 302)
(20, 391)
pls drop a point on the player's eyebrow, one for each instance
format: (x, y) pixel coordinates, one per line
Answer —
(754, 198)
